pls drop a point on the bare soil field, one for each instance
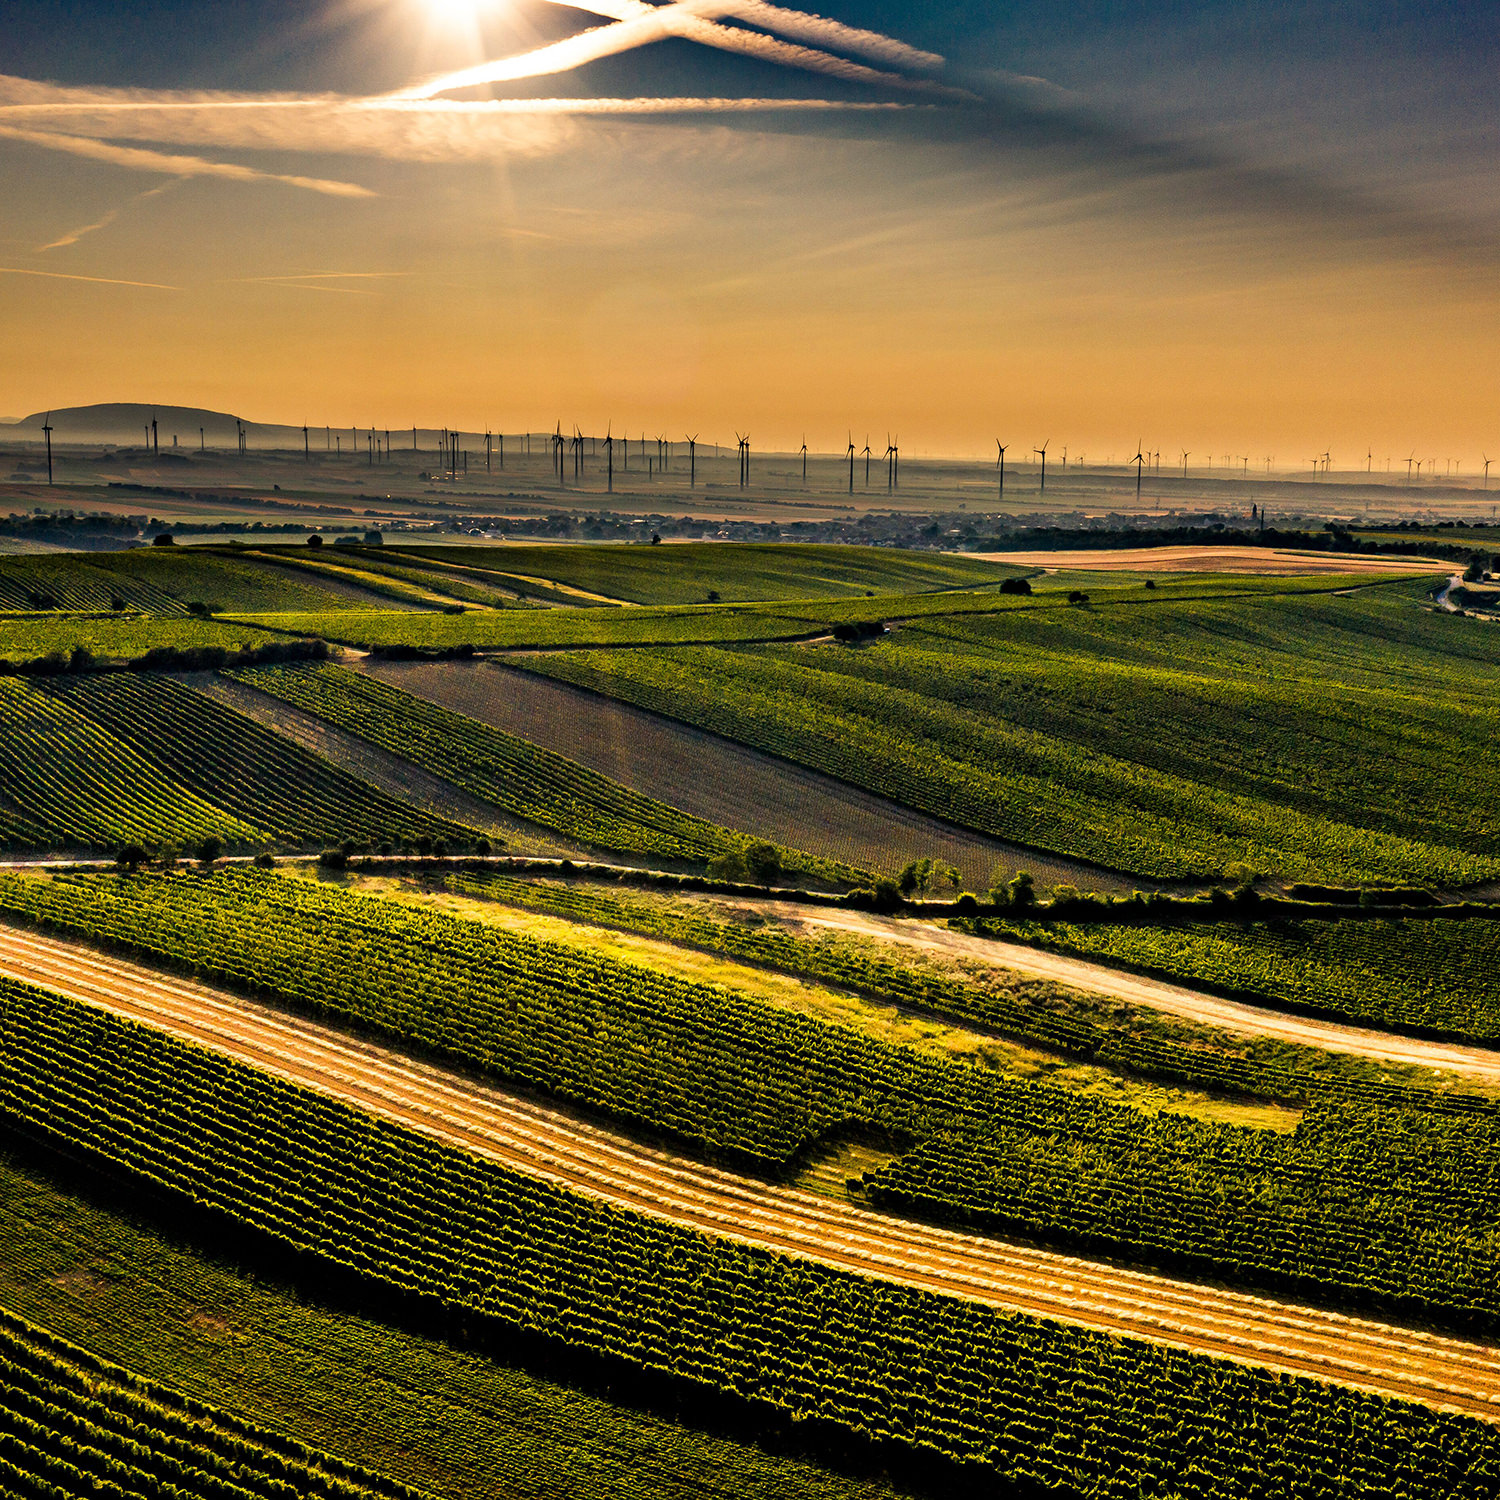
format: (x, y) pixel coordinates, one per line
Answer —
(719, 780)
(550, 1143)
(1214, 560)
(389, 772)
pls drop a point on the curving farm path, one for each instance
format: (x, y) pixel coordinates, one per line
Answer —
(550, 1143)
(1151, 994)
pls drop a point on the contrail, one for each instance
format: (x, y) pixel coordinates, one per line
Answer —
(73, 236)
(155, 286)
(179, 166)
(799, 25)
(641, 27)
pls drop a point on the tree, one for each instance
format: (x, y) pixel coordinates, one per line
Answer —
(730, 865)
(199, 609)
(116, 603)
(163, 539)
(209, 849)
(315, 540)
(1022, 890)
(1474, 573)
(763, 861)
(130, 857)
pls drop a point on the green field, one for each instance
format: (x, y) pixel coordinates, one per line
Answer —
(1025, 1400)
(158, 580)
(489, 630)
(96, 760)
(1299, 736)
(119, 638)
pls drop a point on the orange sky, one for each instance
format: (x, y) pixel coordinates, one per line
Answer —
(690, 275)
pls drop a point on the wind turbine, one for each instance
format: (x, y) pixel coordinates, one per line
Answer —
(47, 433)
(1139, 461)
(306, 450)
(609, 455)
(851, 463)
(804, 458)
(890, 463)
(1486, 471)
(1184, 462)
(692, 443)
(866, 452)
(1410, 460)
(155, 446)
(1000, 464)
(1042, 453)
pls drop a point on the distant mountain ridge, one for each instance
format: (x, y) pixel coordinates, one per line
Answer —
(127, 421)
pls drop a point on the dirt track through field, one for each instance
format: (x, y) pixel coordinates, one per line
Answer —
(549, 1143)
(1210, 559)
(1155, 994)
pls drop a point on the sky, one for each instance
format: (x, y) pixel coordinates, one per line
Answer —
(1265, 228)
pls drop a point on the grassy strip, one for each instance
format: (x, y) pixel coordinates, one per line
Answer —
(72, 1424)
(1028, 1010)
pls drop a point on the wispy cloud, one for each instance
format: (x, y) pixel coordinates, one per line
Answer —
(140, 160)
(155, 286)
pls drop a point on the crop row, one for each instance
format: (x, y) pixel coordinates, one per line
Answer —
(524, 779)
(65, 781)
(1025, 1010)
(261, 777)
(1032, 1402)
(1436, 976)
(71, 1425)
(451, 1421)
(1400, 1206)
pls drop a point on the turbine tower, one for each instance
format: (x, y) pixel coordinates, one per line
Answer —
(47, 433)
(692, 443)
(1042, 453)
(1000, 464)
(851, 463)
(1140, 462)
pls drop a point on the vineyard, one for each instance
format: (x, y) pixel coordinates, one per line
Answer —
(289, 794)
(67, 782)
(666, 625)
(99, 760)
(1435, 977)
(523, 779)
(1025, 1010)
(453, 1423)
(1398, 1206)
(1030, 1401)
(72, 1425)
(1116, 735)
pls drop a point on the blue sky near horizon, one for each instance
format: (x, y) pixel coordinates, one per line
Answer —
(1265, 224)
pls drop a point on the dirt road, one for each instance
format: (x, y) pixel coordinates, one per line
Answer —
(1210, 559)
(1153, 994)
(551, 1144)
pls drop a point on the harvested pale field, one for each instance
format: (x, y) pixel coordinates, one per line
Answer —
(722, 781)
(561, 1148)
(1210, 559)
